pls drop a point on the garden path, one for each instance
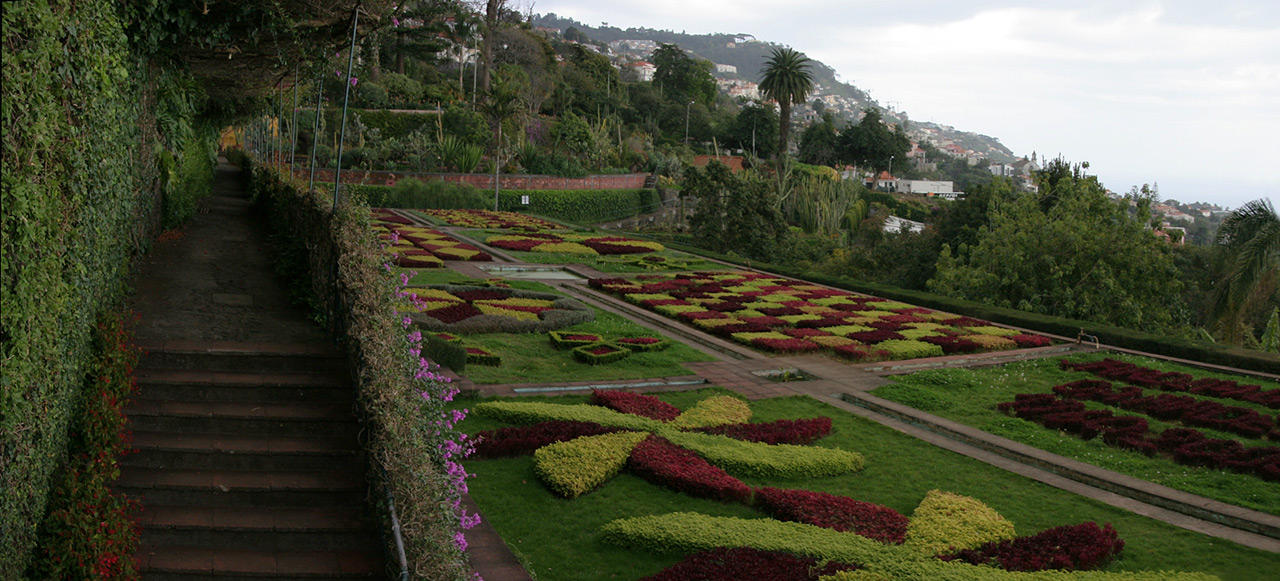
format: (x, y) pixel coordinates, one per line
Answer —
(247, 461)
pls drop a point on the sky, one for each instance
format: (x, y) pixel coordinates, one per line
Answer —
(1183, 94)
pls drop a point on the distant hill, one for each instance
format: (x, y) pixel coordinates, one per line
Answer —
(748, 55)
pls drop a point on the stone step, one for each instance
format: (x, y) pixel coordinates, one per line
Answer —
(188, 385)
(175, 563)
(242, 488)
(288, 529)
(245, 358)
(165, 450)
(246, 418)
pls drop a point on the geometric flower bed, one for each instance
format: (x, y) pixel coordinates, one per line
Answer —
(473, 309)
(491, 219)
(672, 451)
(572, 243)
(418, 246)
(1174, 381)
(787, 316)
(1186, 446)
(1184, 409)
(600, 353)
(577, 448)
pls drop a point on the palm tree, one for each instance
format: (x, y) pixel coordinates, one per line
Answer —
(1251, 238)
(786, 80)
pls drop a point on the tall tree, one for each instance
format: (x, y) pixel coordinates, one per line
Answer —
(1250, 237)
(787, 80)
(682, 77)
(872, 144)
(492, 12)
(819, 141)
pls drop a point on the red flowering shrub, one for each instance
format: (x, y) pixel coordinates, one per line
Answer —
(834, 512)
(1072, 547)
(1185, 409)
(784, 345)
(965, 322)
(1173, 381)
(482, 294)
(801, 333)
(453, 313)
(604, 246)
(521, 440)
(951, 344)
(90, 531)
(635, 403)
(860, 352)
(741, 563)
(697, 315)
(1026, 340)
(886, 325)
(663, 463)
(872, 337)
(797, 432)
(780, 311)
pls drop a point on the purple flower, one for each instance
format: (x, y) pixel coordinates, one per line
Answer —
(395, 22)
(354, 81)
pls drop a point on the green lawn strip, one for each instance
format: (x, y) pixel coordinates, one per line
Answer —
(559, 539)
(530, 357)
(609, 263)
(969, 396)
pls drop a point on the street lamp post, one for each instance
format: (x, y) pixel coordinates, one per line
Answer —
(686, 122)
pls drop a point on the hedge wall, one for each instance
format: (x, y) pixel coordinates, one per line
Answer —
(581, 206)
(1118, 336)
(82, 194)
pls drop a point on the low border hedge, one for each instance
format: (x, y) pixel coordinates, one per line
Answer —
(600, 353)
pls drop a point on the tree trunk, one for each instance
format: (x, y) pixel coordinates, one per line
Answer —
(491, 11)
(784, 129)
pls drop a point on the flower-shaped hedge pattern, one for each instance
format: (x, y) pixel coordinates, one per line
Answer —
(492, 309)
(676, 452)
(787, 316)
(490, 219)
(572, 243)
(418, 246)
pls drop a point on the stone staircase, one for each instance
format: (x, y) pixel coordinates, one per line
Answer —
(248, 464)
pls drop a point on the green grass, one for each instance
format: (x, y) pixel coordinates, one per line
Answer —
(969, 396)
(530, 357)
(611, 264)
(557, 539)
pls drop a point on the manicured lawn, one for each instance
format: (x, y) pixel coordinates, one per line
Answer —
(530, 357)
(969, 396)
(557, 539)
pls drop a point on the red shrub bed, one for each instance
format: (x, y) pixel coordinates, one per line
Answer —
(823, 322)
(780, 311)
(521, 440)
(635, 403)
(1074, 547)
(840, 513)
(804, 332)
(1185, 409)
(859, 352)
(784, 345)
(665, 464)
(871, 337)
(1173, 381)
(1026, 341)
(738, 564)
(1185, 445)
(952, 344)
(965, 322)
(524, 245)
(797, 432)
(482, 295)
(453, 313)
(604, 247)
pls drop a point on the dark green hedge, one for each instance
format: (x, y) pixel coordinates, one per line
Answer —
(388, 124)
(82, 194)
(1201, 351)
(581, 206)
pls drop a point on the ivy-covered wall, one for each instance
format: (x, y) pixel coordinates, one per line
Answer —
(88, 125)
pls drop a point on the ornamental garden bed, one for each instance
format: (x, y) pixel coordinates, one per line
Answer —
(1125, 439)
(666, 260)
(785, 316)
(477, 309)
(491, 219)
(653, 495)
(419, 246)
(572, 243)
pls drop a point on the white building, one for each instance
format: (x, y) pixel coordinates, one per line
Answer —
(726, 68)
(644, 70)
(924, 187)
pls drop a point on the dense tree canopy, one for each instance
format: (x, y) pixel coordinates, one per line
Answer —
(871, 144)
(819, 143)
(735, 213)
(682, 78)
(1086, 257)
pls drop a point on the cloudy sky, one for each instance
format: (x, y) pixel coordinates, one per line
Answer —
(1182, 93)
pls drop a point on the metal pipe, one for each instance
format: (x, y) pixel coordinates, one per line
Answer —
(293, 125)
(315, 130)
(346, 97)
